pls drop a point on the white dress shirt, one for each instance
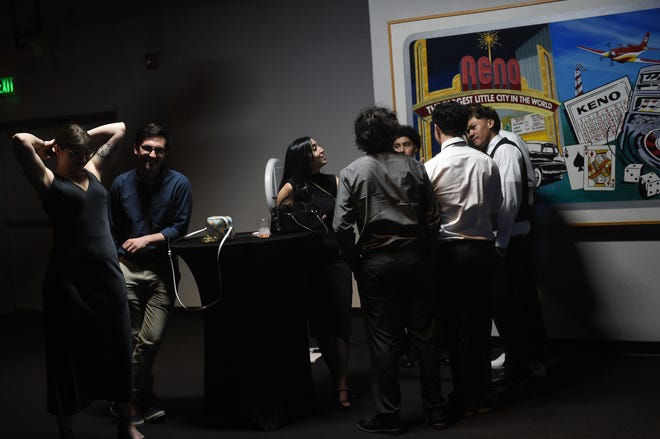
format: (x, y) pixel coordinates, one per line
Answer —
(466, 183)
(509, 159)
(531, 178)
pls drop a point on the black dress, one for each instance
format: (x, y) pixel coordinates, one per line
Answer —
(87, 324)
(330, 303)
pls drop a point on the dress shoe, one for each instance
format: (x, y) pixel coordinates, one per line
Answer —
(438, 418)
(381, 423)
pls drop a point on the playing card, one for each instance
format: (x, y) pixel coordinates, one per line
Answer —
(574, 159)
(598, 168)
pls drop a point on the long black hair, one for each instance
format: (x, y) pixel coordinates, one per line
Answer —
(297, 164)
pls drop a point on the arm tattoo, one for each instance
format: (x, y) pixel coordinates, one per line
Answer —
(105, 151)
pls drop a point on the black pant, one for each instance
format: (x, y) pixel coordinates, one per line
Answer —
(467, 267)
(517, 309)
(395, 290)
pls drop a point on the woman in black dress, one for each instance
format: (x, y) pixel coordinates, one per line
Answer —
(87, 326)
(330, 305)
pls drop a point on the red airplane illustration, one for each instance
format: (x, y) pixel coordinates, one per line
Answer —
(627, 53)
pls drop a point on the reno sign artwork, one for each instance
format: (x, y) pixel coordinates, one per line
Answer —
(558, 86)
(515, 83)
(483, 82)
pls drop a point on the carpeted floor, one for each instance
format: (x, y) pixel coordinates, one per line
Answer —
(590, 393)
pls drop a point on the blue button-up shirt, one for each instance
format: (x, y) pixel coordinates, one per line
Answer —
(138, 209)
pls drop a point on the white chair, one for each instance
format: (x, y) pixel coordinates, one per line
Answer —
(272, 177)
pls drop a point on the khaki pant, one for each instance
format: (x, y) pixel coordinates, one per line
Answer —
(150, 294)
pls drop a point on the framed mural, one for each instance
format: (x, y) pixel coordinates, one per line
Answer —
(579, 81)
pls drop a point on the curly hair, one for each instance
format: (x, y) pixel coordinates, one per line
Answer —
(411, 133)
(376, 129)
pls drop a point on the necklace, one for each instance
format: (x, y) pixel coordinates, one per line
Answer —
(323, 190)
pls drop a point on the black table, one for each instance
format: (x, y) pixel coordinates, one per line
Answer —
(256, 348)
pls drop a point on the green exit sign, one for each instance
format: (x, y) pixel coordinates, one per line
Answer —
(7, 85)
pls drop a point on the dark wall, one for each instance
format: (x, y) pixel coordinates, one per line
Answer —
(236, 82)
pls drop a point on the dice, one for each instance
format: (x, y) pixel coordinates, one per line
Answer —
(649, 185)
(632, 173)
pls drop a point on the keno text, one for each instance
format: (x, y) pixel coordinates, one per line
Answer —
(484, 74)
(598, 102)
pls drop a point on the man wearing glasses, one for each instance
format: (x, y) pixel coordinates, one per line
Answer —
(149, 207)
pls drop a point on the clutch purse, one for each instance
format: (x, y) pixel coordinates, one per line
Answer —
(297, 217)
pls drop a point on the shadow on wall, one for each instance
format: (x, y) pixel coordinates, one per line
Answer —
(583, 271)
(568, 300)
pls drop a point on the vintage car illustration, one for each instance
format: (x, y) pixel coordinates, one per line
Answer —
(547, 163)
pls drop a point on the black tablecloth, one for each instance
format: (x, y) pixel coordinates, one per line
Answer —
(256, 347)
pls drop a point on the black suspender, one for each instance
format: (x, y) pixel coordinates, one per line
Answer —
(525, 210)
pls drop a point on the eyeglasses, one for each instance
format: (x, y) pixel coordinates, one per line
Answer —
(157, 149)
(79, 152)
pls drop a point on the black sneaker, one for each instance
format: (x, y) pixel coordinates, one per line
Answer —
(388, 424)
(438, 418)
(154, 414)
(135, 418)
